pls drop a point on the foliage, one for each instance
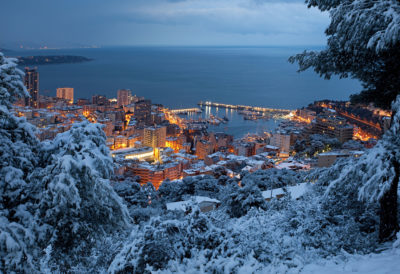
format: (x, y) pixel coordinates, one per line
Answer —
(316, 144)
(78, 201)
(11, 86)
(18, 157)
(272, 178)
(162, 241)
(363, 42)
(374, 171)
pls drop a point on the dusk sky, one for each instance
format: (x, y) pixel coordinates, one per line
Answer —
(161, 22)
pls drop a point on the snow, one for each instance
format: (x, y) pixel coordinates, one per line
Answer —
(295, 191)
(380, 263)
(292, 165)
(182, 205)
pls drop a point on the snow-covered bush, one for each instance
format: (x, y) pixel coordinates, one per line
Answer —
(189, 186)
(286, 234)
(78, 205)
(237, 201)
(315, 144)
(272, 178)
(132, 193)
(141, 201)
(162, 241)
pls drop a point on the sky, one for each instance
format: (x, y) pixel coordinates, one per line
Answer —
(74, 23)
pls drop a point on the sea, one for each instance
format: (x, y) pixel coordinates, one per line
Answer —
(180, 77)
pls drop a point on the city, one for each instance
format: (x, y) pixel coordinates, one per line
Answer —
(159, 144)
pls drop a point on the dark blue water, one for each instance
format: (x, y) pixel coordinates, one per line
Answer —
(237, 125)
(182, 76)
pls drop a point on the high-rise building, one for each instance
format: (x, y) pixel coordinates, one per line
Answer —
(203, 148)
(66, 93)
(123, 97)
(155, 136)
(281, 140)
(32, 85)
(330, 124)
(142, 112)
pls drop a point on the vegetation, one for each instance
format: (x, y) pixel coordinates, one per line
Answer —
(363, 43)
(51, 59)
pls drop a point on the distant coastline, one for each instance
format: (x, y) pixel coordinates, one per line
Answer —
(51, 60)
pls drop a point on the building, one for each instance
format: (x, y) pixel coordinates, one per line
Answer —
(32, 85)
(66, 93)
(203, 148)
(134, 140)
(154, 136)
(327, 159)
(220, 139)
(120, 141)
(100, 100)
(83, 102)
(176, 143)
(123, 97)
(156, 174)
(142, 113)
(307, 115)
(330, 124)
(142, 154)
(281, 140)
(245, 149)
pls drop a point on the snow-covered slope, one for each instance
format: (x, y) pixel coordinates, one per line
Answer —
(387, 261)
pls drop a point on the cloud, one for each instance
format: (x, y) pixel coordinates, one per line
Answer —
(163, 21)
(231, 16)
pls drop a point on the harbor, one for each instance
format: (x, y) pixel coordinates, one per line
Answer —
(234, 121)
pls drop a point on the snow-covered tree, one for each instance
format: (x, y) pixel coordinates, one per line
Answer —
(315, 144)
(272, 178)
(11, 85)
(131, 192)
(239, 200)
(18, 157)
(78, 204)
(141, 201)
(152, 247)
(378, 175)
(363, 43)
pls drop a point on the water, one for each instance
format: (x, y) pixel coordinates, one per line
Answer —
(236, 126)
(180, 77)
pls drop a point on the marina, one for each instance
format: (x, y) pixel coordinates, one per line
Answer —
(235, 121)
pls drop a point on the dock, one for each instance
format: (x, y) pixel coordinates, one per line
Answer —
(185, 110)
(243, 107)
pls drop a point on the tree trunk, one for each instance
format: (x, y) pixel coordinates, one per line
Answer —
(388, 212)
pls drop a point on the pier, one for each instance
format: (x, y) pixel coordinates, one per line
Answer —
(242, 107)
(185, 110)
